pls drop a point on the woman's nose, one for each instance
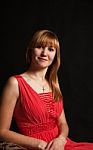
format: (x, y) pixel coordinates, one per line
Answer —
(44, 51)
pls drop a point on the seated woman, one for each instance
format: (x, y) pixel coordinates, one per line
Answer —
(35, 100)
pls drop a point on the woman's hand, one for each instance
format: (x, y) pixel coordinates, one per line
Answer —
(42, 145)
(56, 144)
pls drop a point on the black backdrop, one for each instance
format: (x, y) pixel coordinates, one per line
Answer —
(72, 21)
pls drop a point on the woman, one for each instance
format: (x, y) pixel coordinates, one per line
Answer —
(34, 99)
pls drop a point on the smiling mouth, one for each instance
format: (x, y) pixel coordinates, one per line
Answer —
(43, 59)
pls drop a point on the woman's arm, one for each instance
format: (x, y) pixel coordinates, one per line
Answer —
(62, 125)
(8, 101)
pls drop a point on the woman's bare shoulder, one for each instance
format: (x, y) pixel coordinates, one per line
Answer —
(12, 81)
(11, 86)
(10, 92)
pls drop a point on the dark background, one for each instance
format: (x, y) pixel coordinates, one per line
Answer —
(72, 21)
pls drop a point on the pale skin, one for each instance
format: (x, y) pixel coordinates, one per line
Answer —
(41, 59)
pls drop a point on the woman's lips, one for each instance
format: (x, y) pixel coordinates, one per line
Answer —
(43, 59)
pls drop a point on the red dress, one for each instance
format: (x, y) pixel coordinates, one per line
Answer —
(36, 116)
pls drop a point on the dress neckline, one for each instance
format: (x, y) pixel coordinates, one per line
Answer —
(41, 93)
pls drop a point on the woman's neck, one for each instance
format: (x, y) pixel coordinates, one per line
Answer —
(37, 74)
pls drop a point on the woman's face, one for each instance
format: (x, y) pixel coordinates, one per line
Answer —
(42, 57)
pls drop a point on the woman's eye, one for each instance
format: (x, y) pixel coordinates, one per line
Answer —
(51, 49)
(39, 46)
